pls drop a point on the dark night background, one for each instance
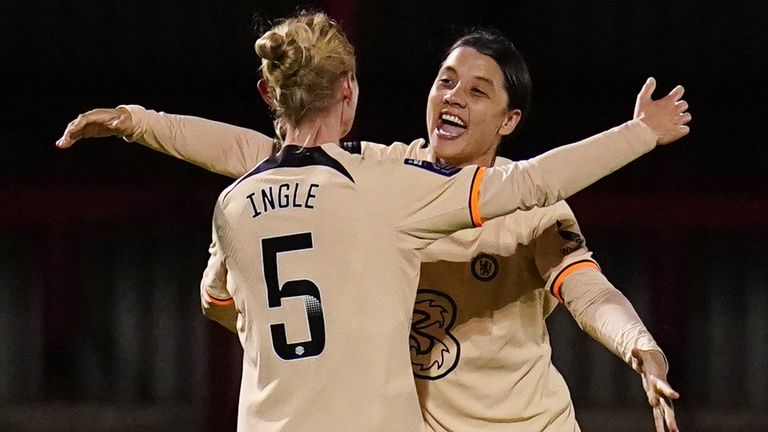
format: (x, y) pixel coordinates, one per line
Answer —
(103, 244)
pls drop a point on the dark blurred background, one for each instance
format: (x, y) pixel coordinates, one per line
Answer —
(102, 245)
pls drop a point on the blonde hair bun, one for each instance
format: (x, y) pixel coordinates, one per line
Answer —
(271, 46)
(302, 60)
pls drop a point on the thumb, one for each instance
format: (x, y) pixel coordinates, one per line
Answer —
(653, 396)
(647, 90)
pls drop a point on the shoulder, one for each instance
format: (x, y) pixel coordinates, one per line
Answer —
(224, 196)
(416, 149)
(545, 216)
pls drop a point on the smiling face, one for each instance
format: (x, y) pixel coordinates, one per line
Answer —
(467, 109)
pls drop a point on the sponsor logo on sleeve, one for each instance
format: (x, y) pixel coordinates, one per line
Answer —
(569, 232)
(436, 168)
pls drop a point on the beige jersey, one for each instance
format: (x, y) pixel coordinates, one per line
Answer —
(479, 343)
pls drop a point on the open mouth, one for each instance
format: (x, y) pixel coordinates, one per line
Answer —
(450, 126)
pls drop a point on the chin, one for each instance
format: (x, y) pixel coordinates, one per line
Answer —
(452, 145)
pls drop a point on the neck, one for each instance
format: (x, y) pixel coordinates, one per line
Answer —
(486, 160)
(315, 131)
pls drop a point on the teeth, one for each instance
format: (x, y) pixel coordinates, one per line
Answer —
(452, 118)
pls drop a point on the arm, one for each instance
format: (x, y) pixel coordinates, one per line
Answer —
(575, 279)
(561, 172)
(606, 315)
(218, 147)
(433, 205)
(218, 305)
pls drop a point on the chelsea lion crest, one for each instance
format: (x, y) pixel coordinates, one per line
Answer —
(484, 267)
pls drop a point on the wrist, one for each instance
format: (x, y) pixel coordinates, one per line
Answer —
(653, 357)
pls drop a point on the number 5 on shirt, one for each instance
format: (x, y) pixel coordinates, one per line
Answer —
(296, 288)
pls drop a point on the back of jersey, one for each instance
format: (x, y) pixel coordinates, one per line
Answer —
(321, 247)
(316, 275)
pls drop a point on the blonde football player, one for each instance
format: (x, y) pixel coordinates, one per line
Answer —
(479, 346)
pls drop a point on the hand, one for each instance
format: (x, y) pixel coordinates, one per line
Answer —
(97, 123)
(667, 117)
(653, 370)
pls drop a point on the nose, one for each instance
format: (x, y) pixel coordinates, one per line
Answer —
(452, 98)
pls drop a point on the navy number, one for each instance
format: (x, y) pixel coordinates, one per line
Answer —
(296, 288)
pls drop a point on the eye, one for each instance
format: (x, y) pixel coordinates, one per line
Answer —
(445, 81)
(479, 92)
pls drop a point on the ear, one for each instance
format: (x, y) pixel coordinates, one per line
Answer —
(346, 86)
(264, 92)
(510, 122)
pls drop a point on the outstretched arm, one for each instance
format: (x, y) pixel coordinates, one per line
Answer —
(606, 315)
(219, 147)
(666, 119)
(560, 173)
(577, 282)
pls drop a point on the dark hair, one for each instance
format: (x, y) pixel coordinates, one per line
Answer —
(517, 79)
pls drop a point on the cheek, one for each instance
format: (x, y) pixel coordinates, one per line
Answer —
(483, 135)
(431, 112)
(491, 122)
(481, 127)
(431, 102)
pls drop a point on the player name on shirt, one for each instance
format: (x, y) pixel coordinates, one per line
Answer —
(282, 196)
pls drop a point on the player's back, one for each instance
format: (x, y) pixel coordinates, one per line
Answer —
(325, 288)
(321, 249)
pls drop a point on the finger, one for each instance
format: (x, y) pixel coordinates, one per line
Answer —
(75, 127)
(664, 388)
(653, 398)
(669, 415)
(658, 419)
(685, 118)
(66, 139)
(97, 116)
(71, 133)
(647, 90)
(676, 93)
(63, 142)
(684, 130)
(78, 123)
(681, 105)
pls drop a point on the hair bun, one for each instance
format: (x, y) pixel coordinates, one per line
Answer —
(302, 60)
(271, 46)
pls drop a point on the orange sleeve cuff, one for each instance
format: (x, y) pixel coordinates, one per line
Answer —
(474, 197)
(567, 271)
(219, 302)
